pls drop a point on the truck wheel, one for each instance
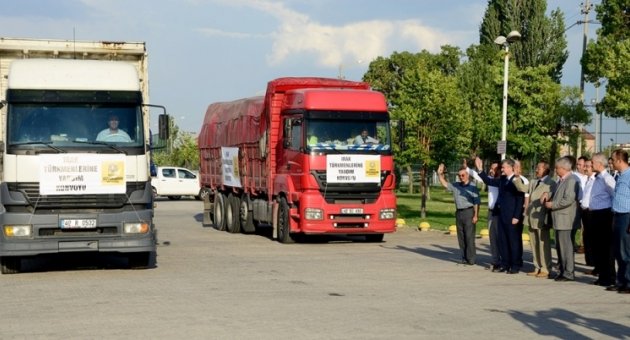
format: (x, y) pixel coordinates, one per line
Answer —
(219, 210)
(11, 264)
(246, 216)
(232, 220)
(284, 236)
(374, 237)
(203, 192)
(139, 260)
(174, 198)
(154, 192)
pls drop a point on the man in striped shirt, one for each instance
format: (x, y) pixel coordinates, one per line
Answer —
(621, 222)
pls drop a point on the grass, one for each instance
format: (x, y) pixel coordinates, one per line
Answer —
(440, 209)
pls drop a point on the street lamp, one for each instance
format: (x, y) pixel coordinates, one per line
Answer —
(505, 42)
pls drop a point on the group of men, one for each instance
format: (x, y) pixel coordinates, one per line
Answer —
(584, 195)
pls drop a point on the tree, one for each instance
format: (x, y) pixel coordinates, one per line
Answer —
(543, 41)
(422, 91)
(609, 58)
(477, 84)
(181, 149)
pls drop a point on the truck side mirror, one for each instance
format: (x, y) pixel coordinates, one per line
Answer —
(163, 126)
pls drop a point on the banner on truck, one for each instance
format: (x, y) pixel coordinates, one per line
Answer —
(79, 174)
(353, 168)
(229, 162)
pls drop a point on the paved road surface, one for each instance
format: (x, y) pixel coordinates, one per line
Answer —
(214, 285)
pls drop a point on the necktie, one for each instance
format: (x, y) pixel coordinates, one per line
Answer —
(537, 184)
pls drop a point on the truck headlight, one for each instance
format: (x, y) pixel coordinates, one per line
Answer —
(136, 228)
(18, 230)
(313, 214)
(387, 214)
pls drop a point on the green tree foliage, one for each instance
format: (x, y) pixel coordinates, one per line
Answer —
(422, 91)
(478, 87)
(543, 41)
(180, 150)
(609, 57)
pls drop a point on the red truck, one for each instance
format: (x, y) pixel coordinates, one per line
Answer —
(313, 156)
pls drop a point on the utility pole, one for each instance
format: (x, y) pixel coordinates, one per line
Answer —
(586, 9)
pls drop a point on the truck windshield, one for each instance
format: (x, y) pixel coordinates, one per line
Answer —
(74, 124)
(357, 135)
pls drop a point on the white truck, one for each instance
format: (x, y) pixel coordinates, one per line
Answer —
(62, 189)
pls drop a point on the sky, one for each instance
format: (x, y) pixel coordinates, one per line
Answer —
(204, 51)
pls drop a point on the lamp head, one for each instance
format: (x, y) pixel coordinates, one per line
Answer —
(500, 40)
(513, 36)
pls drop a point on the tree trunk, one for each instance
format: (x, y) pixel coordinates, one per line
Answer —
(423, 188)
(410, 174)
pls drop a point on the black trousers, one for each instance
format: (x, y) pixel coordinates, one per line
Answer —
(587, 238)
(602, 235)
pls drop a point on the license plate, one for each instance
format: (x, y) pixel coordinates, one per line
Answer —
(352, 210)
(77, 223)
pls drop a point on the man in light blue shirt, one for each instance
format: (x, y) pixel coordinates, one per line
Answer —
(599, 205)
(621, 222)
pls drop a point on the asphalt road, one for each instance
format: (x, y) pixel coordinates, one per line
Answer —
(214, 285)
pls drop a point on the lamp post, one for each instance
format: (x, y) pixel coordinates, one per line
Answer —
(505, 42)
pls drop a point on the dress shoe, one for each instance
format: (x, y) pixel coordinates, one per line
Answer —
(499, 270)
(562, 279)
(534, 273)
(512, 271)
(543, 275)
(599, 282)
(612, 288)
(624, 290)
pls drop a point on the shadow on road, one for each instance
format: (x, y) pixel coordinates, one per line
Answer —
(561, 323)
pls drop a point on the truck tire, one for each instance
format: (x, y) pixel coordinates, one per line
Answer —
(246, 215)
(374, 237)
(232, 219)
(139, 260)
(174, 198)
(284, 235)
(219, 210)
(154, 192)
(10, 264)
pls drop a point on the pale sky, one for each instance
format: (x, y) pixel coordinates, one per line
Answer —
(203, 51)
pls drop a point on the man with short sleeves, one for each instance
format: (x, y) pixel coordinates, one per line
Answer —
(466, 197)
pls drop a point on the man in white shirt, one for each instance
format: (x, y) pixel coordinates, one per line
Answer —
(585, 214)
(364, 138)
(113, 133)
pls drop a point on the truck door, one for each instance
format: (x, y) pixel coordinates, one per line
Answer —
(293, 148)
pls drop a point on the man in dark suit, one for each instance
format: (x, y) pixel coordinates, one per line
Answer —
(509, 209)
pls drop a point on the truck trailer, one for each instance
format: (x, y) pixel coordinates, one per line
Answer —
(295, 159)
(74, 129)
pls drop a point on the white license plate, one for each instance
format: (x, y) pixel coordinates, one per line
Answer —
(352, 210)
(77, 223)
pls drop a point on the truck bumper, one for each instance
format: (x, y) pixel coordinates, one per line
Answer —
(345, 218)
(47, 237)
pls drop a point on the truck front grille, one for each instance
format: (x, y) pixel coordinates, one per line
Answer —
(37, 201)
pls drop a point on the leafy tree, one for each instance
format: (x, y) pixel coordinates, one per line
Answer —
(180, 150)
(609, 57)
(422, 91)
(476, 79)
(543, 41)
